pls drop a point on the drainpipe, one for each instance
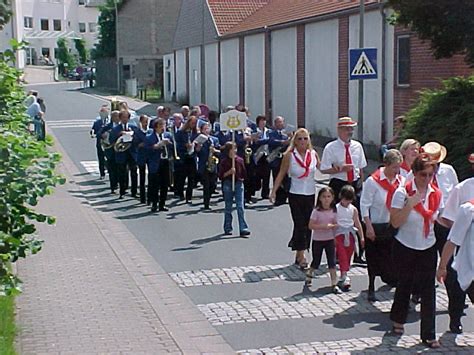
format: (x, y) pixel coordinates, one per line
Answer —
(383, 71)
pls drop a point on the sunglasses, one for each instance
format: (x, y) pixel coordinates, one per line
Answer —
(424, 174)
(302, 138)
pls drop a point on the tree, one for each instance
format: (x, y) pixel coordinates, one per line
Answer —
(80, 45)
(27, 173)
(447, 24)
(106, 47)
(5, 12)
(64, 56)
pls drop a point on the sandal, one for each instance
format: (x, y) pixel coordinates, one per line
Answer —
(432, 344)
(398, 329)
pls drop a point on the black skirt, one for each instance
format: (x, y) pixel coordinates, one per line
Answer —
(379, 253)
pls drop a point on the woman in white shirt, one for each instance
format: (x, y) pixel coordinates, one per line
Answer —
(410, 148)
(414, 210)
(375, 203)
(300, 162)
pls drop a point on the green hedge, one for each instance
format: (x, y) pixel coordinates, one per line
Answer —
(446, 115)
(27, 173)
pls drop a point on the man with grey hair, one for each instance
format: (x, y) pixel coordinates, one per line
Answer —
(97, 127)
(185, 112)
(278, 141)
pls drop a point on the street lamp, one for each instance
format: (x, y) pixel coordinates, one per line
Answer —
(117, 45)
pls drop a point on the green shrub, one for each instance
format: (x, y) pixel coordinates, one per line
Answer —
(446, 115)
(27, 172)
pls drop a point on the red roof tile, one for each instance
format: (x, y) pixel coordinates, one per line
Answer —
(228, 13)
(283, 11)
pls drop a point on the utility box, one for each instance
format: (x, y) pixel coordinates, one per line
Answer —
(131, 87)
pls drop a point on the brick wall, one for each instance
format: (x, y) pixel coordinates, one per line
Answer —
(343, 66)
(425, 71)
(300, 76)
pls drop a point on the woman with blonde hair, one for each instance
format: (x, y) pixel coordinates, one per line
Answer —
(300, 162)
(410, 149)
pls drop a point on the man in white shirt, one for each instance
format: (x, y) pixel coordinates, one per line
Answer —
(461, 236)
(343, 159)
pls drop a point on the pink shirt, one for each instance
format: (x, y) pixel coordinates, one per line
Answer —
(323, 217)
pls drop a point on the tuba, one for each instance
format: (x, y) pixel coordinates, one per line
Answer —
(212, 160)
(124, 142)
(105, 141)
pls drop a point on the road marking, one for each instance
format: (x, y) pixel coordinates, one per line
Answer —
(91, 166)
(248, 274)
(304, 305)
(409, 344)
(70, 124)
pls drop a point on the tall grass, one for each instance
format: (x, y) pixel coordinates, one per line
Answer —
(7, 325)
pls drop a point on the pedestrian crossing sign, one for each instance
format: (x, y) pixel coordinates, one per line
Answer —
(363, 63)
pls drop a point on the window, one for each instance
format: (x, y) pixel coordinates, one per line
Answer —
(403, 61)
(82, 2)
(57, 25)
(44, 24)
(92, 27)
(82, 27)
(45, 52)
(28, 22)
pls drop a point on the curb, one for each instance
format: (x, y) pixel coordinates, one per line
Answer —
(186, 325)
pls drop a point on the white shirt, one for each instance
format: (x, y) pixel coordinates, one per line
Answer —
(306, 185)
(372, 201)
(411, 234)
(404, 172)
(461, 193)
(264, 132)
(335, 153)
(345, 216)
(462, 234)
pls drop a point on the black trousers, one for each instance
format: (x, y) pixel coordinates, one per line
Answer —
(185, 170)
(456, 296)
(209, 184)
(301, 207)
(101, 159)
(112, 168)
(262, 177)
(415, 267)
(329, 247)
(130, 166)
(249, 182)
(142, 182)
(470, 292)
(282, 192)
(158, 184)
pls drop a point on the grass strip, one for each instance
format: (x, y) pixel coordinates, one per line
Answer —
(7, 325)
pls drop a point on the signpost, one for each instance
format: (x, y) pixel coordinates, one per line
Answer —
(363, 64)
(233, 120)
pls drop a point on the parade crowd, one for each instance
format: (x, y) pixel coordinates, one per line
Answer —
(406, 214)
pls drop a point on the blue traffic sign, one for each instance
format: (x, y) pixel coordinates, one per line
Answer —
(362, 63)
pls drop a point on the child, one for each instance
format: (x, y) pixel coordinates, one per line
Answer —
(348, 224)
(225, 174)
(323, 225)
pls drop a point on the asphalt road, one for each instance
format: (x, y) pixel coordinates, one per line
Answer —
(246, 287)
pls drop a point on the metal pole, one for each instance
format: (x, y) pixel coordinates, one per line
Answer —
(117, 46)
(360, 110)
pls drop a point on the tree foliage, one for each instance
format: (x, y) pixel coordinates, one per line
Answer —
(5, 12)
(106, 46)
(446, 116)
(80, 45)
(64, 55)
(27, 173)
(447, 24)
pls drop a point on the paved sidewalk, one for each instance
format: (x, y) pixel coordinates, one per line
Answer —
(94, 289)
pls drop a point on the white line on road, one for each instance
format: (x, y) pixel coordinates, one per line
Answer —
(91, 166)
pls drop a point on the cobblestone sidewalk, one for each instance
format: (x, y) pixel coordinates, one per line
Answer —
(94, 289)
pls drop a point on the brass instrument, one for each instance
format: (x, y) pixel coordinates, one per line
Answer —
(276, 153)
(261, 152)
(105, 141)
(124, 142)
(212, 160)
(248, 154)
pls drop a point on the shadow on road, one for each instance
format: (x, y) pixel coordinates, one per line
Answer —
(288, 273)
(197, 243)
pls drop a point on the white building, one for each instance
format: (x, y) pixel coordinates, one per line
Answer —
(42, 22)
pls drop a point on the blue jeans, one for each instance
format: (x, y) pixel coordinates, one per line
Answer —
(229, 200)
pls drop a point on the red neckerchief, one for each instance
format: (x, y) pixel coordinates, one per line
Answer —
(433, 203)
(305, 165)
(387, 186)
(405, 166)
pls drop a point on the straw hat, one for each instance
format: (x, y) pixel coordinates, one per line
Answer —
(346, 122)
(436, 151)
(470, 158)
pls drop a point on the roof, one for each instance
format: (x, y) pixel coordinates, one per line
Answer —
(229, 13)
(277, 12)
